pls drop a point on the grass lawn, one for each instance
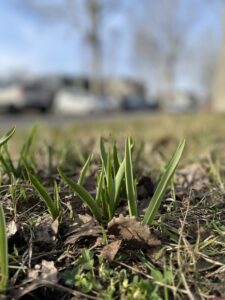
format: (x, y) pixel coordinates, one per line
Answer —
(68, 202)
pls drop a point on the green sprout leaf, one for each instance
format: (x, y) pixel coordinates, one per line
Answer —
(84, 196)
(41, 190)
(118, 181)
(103, 153)
(3, 251)
(4, 139)
(130, 186)
(162, 186)
(84, 170)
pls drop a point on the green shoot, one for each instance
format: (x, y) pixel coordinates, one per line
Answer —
(85, 196)
(84, 170)
(162, 186)
(103, 153)
(56, 197)
(52, 205)
(6, 159)
(118, 181)
(3, 251)
(4, 139)
(115, 158)
(130, 186)
(108, 189)
(3, 236)
(24, 153)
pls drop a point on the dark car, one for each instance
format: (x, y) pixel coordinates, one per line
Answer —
(38, 95)
(137, 102)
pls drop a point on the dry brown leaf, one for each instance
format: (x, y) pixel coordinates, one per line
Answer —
(85, 218)
(48, 271)
(45, 230)
(11, 229)
(88, 229)
(193, 176)
(34, 273)
(133, 232)
(109, 251)
(45, 271)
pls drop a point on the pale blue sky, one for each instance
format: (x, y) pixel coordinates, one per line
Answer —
(28, 44)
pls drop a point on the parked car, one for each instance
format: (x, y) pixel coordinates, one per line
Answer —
(137, 102)
(30, 94)
(39, 95)
(181, 102)
(79, 102)
(11, 97)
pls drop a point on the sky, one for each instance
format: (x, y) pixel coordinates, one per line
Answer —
(27, 44)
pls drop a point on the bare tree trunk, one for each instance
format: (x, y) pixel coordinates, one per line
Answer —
(95, 44)
(218, 103)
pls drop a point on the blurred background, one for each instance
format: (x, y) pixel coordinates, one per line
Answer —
(92, 57)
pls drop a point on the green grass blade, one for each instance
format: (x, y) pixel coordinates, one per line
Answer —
(84, 170)
(162, 186)
(4, 139)
(103, 153)
(41, 190)
(115, 158)
(56, 197)
(110, 182)
(84, 196)
(3, 251)
(80, 155)
(5, 165)
(7, 161)
(118, 181)
(131, 194)
(139, 154)
(99, 188)
(28, 143)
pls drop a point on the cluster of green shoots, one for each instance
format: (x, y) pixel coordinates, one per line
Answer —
(114, 182)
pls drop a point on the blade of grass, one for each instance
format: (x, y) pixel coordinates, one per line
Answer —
(99, 187)
(7, 161)
(5, 165)
(24, 153)
(118, 182)
(28, 143)
(84, 196)
(41, 190)
(162, 186)
(4, 139)
(103, 153)
(131, 195)
(3, 251)
(110, 184)
(115, 158)
(84, 170)
(139, 154)
(56, 197)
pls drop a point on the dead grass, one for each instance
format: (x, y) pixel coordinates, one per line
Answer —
(70, 260)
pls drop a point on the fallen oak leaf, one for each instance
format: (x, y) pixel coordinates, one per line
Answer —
(109, 251)
(86, 230)
(133, 232)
